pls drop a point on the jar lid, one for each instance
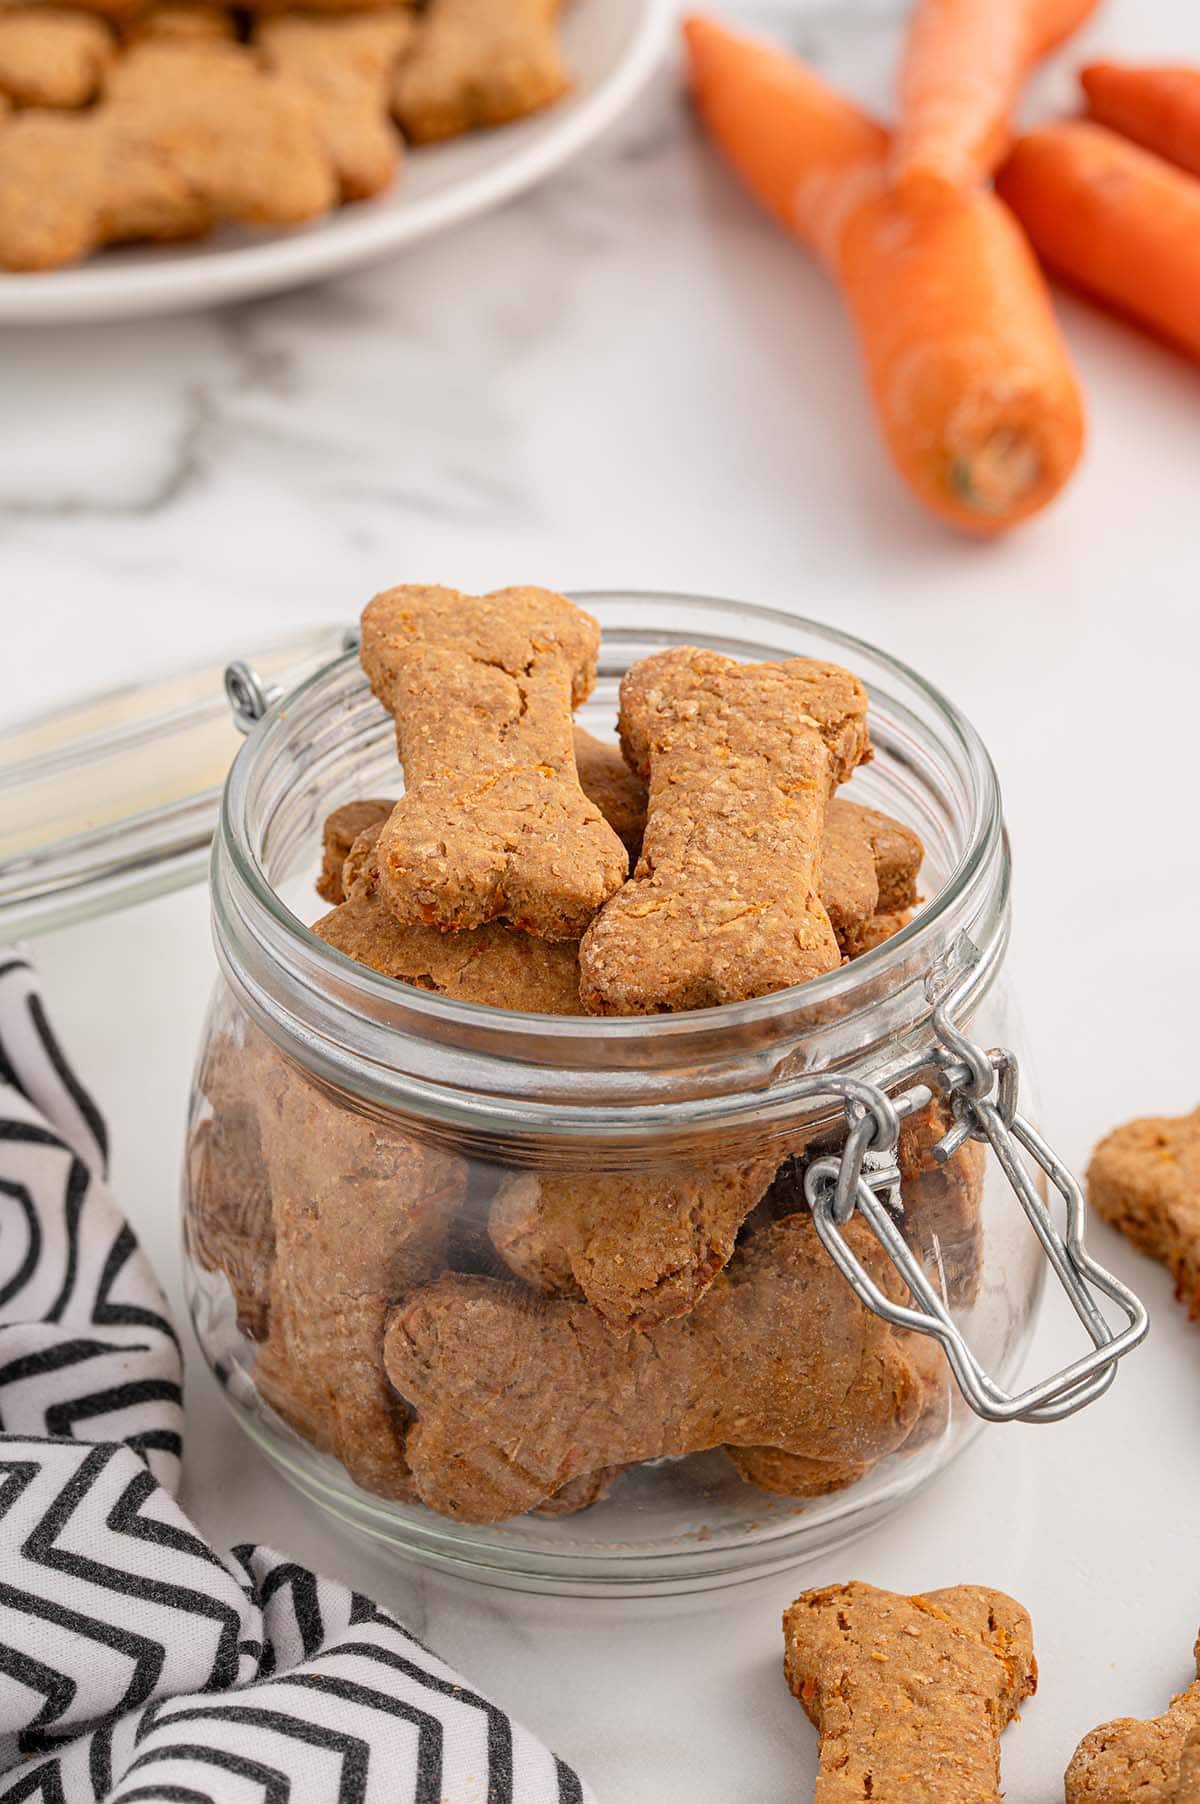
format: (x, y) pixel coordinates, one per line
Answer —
(116, 798)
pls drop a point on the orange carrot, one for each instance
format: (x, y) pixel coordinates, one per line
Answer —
(976, 397)
(1117, 221)
(963, 66)
(1159, 108)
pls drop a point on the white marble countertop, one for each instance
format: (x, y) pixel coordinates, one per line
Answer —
(629, 379)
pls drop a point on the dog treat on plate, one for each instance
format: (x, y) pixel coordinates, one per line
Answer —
(1152, 1762)
(346, 63)
(476, 62)
(51, 57)
(187, 134)
(909, 1694)
(641, 1247)
(516, 1395)
(1145, 1180)
(493, 964)
(361, 1213)
(742, 761)
(493, 824)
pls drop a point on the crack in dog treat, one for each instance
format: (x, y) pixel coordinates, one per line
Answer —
(338, 835)
(1144, 1179)
(361, 1214)
(742, 761)
(188, 134)
(346, 63)
(476, 63)
(641, 1248)
(516, 1395)
(493, 964)
(52, 58)
(493, 824)
(229, 1224)
(909, 1694)
(1155, 1761)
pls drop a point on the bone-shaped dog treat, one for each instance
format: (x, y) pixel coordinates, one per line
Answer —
(794, 1475)
(1152, 1762)
(909, 1694)
(361, 1213)
(742, 761)
(516, 1395)
(869, 866)
(346, 64)
(340, 831)
(943, 1203)
(617, 791)
(493, 824)
(492, 964)
(641, 1247)
(1145, 1180)
(478, 63)
(187, 134)
(229, 1224)
(52, 58)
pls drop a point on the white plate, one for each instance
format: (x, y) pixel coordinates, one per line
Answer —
(611, 46)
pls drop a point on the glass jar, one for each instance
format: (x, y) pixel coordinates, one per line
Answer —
(550, 1299)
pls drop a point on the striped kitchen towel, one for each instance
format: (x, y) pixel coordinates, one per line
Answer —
(136, 1661)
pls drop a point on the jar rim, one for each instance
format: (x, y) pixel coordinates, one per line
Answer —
(611, 1041)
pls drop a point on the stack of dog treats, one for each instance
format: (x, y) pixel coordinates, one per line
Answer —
(121, 120)
(492, 1341)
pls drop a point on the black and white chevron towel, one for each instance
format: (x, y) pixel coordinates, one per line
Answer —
(136, 1662)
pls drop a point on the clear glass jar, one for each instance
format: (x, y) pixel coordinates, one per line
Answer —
(449, 1252)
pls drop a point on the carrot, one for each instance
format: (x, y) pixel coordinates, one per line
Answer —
(1158, 108)
(1117, 221)
(975, 394)
(960, 77)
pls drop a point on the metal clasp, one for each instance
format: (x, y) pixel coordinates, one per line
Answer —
(981, 1088)
(248, 696)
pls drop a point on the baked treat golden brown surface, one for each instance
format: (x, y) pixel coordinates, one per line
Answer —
(1134, 1762)
(909, 1694)
(1144, 1179)
(742, 761)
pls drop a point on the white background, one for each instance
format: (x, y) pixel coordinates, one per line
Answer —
(630, 379)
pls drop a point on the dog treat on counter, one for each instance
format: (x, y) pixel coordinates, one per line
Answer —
(229, 1224)
(51, 57)
(346, 62)
(361, 1214)
(617, 791)
(493, 824)
(1145, 1180)
(742, 761)
(187, 134)
(516, 1395)
(1133, 1762)
(909, 1694)
(642, 1247)
(493, 964)
(477, 63)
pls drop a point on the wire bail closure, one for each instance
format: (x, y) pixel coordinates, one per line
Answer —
(982, 1090)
